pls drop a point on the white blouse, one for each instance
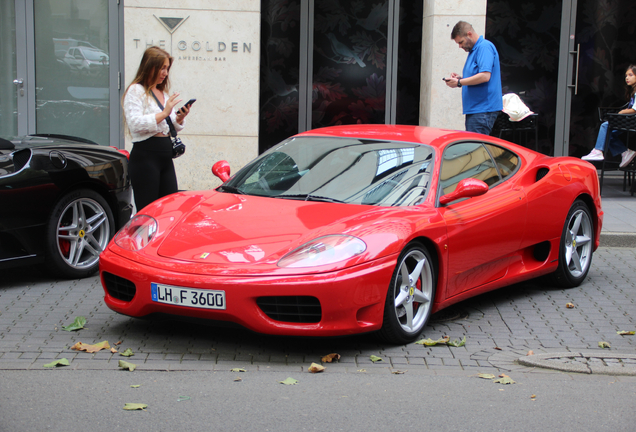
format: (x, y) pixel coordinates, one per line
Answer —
(140, 110)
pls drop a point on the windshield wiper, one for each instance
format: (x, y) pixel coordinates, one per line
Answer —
(231, 189)
(309, 197)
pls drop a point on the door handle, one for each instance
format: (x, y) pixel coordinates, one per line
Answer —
(576, 74)
(20, 84)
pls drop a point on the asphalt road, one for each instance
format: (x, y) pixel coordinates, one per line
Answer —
(450, 400)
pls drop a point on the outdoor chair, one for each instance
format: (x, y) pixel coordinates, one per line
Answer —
(620, 122)
(528, 124)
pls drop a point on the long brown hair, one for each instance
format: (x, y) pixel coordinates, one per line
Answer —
(148, 72)
(631, 90)
(150, 68)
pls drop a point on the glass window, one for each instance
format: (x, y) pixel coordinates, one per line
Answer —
(345, 170)
(506, 161)
(466, 160)
(72, 68)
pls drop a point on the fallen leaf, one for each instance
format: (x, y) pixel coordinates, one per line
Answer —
(113, 350)
(56, 363)
(117, 343)
(136, 385)
(330, 357)
(530, 353)
(375, 358)
(445, 340)
(604, 344)
(127, 352)
(78, 324)
(362, 370)
(533, 396)
(238, 370)
(486, 376)
(457, 343)
(498, 349)
(125, 365)
(626, 332)
(397, 372)
(80, 346)
(316, 368)
(183, 398)
(238, 379)
(569, 305)
(505, 380)
(135, 406)
(289, 381)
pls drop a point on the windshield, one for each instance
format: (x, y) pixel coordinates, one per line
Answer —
(346, 170)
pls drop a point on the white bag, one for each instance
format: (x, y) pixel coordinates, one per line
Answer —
(515, 108)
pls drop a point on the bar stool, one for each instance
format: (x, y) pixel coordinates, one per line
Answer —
(528, 124)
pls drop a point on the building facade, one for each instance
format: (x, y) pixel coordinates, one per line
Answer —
(262, 70)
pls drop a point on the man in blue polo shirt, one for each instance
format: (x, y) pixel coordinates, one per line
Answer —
(480, 81)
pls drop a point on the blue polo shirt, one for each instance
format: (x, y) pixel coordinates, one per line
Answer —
(484, 97)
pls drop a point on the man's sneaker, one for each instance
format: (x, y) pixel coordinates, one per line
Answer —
(595, 155)
(626, 157)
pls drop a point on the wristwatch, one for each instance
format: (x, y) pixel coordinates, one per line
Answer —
(459, 83)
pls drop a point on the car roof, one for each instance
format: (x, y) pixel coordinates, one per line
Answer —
(417, 134)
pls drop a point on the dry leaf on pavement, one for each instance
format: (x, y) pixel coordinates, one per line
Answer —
(81, 346)
(316, 368)
(330, 357)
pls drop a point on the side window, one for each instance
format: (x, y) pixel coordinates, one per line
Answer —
(506, 161)
(466, 160)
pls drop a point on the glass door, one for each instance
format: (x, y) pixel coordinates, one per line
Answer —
(58, 74)
(11, 85)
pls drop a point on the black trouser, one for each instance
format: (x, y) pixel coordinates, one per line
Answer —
(151, 170)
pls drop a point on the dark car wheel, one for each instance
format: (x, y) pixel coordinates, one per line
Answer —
(575, 248)
(409, 299)
(78, 230)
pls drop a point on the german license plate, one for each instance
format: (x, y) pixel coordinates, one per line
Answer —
(191, 297)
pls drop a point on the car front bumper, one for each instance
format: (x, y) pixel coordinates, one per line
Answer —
(351, 300)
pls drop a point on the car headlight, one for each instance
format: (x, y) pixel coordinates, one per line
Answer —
(137, 233)
(324, 250)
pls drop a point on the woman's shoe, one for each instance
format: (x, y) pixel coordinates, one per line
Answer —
(626, 157)
(595, 155)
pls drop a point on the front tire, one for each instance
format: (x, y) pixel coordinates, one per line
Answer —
(410, 296)
(575, 247)
(79, 229)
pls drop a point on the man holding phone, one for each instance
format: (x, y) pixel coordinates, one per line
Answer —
(480, 80)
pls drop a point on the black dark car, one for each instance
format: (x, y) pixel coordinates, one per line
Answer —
(61, 200)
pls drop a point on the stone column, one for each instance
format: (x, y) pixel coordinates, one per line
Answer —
(441, 106)
(216, 50)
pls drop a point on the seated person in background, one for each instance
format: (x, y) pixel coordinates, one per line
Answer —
(615, 145)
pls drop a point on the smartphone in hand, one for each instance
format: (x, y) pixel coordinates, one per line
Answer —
(188, 104)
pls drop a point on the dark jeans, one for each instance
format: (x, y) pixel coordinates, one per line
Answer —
(151, 170)
(481, 122)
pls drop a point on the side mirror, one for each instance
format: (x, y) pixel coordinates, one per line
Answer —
(221, 169)
(466, 188)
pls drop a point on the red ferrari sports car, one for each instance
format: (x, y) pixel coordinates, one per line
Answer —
(355, 229)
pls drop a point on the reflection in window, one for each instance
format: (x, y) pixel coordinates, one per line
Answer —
(347, 170)
(467, 160)
(507, 162)
(389, 159)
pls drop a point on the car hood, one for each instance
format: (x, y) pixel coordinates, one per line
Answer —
(241, 229)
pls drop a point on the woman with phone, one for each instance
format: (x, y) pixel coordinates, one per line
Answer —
(147, 106)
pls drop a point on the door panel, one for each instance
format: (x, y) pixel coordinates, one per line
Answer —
(482, 231)
(9, 80)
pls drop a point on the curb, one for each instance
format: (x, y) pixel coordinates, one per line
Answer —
(588, 362)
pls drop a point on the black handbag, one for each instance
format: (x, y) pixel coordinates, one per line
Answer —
(178, 148)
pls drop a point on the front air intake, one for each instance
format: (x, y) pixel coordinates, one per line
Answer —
(295, 309)
(118, 287)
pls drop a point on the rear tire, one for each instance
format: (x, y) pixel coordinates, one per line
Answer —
(409, 299)
(575, 248)
(79, 229)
